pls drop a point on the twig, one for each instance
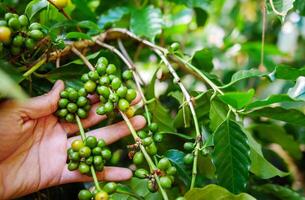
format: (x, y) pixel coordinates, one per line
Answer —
(192, 109)
(40, 62)
(146, 155)
(124, 52)
(133, 132)
(262, 66)
(61, 10)
(58, 61)
(84, 59)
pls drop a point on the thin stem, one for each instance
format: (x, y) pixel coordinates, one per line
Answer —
(36, 66)
(84, 59)
(96, 183)
(150, 163)
(61, 10)
(136, 77)
(204, 77)
(83, 136)
(192, 109)
(125, 53)
(263, 34)
(81, 128)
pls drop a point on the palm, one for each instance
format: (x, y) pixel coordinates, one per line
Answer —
(35, 153)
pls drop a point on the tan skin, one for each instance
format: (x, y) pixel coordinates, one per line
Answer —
(34, 142)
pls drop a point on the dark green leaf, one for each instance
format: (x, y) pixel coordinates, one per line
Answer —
(245, 74)
(276, 134)
(77, 35)
(82, 11)
(281, 192)
(292, 116)
(218, 113)
(202, 59)
(231, 156)
(112, 16)
(89, 25)
(176, 157)
(34, 7)
(215, 192)
(259, 165)
(193, 3)
(69, 72)
(288, 73)
(300, 6)
(277, 98)
(146, 22)
(237, 100)
(201, 16)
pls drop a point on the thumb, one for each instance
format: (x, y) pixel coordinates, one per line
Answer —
(46, 104)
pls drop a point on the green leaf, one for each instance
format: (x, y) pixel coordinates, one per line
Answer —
(34, 7)
(280, 7)
(276, 134)
(161, 116)
(259, 165)
(89, 25)
(291, 116)
(176, 157)
(300, 6)
(202, 59)
(278, 191)
(288, 73)
(218, 113)
(9, 88)
(68, 73)
(277, 98)
(201, 16)
(215, 192)
(237, 100)
(204, 4)
(245, 74)
(77, 35)
(146, 22)
(82, 11)
(231, 156)
(112, 16)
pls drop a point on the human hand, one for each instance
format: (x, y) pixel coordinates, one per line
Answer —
(33, 145)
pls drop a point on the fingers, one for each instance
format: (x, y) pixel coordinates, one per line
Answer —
(91, 120)
(108, 174)
(44, 105)
(114, 132)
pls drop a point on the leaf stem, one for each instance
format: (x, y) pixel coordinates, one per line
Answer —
(81, 128)
(36, 66)
(96, 183)
(84, 59)
(83, 136)
(150, 163)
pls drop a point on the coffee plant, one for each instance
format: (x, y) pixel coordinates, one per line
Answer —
(220, 83)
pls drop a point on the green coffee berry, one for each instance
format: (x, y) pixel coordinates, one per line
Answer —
(123, 105)
(91, 141)
(138, 158)
(141, 173)
(131, 95)
(127, 75)
(111, 69)
(164, 164)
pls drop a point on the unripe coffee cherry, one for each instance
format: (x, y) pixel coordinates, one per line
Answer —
(60, 3)
(84, 195)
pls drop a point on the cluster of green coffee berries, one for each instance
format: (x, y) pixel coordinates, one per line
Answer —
(18, 35)
(103, 194)
(73, 102)
(110, 87)
(166, 172)
(84, 154)
(148, 140)
(189, 157)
